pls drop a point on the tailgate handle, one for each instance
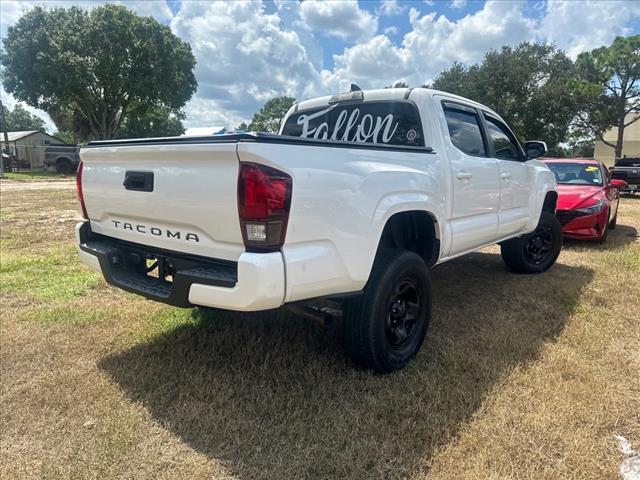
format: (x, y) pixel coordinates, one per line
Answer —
(138, 181)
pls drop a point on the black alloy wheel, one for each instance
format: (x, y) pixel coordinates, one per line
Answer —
(538, 245)
(536, 251)
(404, 311)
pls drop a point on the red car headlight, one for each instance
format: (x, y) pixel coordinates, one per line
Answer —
(593, 209)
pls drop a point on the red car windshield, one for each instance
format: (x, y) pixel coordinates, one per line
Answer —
(576, 173)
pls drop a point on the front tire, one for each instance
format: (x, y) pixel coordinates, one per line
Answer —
(386, 326)
(536, 251)
(614, 220)
(605, 232)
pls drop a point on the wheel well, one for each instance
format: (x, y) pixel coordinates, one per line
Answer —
(414, 231)
(62, 159)
(550, 202)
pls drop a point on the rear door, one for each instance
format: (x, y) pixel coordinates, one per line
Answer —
(180, 197)
(475, 179)
(515, 187)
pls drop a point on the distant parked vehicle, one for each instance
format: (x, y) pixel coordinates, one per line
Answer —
(588, 198)
(64, 158)
(628, 169)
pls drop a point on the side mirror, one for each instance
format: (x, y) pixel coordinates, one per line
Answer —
(619, 184)
(535, 149)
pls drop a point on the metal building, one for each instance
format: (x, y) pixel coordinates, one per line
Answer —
(29, 147)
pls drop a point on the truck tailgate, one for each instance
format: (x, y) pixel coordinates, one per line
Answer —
(178, 197)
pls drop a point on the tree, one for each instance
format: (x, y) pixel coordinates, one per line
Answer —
(527, 85)
(155, 121)
(94, 66)
(66, 137)
(398, 84)
(583, 148)
(19, 119)
(271, 114)
(606, 89)
(72, 121)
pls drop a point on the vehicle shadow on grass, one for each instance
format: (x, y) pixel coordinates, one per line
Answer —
(271, 395)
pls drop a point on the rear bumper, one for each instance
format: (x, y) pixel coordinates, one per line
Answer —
(255, 282)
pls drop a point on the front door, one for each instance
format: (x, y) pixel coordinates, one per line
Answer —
(515, 186)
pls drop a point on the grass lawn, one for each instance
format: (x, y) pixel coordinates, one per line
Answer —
(524, 377)
(27, 176)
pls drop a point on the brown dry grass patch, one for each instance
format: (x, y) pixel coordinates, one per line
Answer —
(519, 377)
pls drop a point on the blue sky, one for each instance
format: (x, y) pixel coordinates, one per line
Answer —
(248, 52)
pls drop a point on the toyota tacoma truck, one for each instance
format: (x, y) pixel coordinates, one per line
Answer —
(355, 200)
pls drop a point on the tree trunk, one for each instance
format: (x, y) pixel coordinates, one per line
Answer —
(620, 138)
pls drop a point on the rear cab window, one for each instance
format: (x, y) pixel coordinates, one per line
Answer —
(390, 122)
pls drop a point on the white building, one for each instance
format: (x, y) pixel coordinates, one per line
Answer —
(630, 142)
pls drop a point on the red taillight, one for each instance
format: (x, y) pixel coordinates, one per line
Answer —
(79, 191)
(264, 198)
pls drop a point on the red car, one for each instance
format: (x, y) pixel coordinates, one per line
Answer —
(588, 198)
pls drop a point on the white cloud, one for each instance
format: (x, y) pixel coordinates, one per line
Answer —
(244, 57)
(390, 8)
(391, 31)
(433, 44)
(343, 19)
(368, 64)
(584, 25)
(458, 4)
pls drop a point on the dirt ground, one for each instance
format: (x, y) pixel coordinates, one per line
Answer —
(12, 185)
(520, 377)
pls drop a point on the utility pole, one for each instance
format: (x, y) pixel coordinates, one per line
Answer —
(6, 140)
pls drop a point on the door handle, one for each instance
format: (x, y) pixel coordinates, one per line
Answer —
(505, 176)
(138, 181)
(463, 175)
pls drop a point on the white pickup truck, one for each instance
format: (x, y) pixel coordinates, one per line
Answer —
(355, 200)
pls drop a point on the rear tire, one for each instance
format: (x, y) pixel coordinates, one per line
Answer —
(64, 166)
(536, 251)
(385, 327)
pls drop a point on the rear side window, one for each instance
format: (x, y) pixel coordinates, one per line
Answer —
(388, 123)
(464, 130)
(504, 144)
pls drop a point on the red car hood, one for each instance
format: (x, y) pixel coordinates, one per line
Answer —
(578, 196)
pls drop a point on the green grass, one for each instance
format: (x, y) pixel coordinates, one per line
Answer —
(56, 276)
(37, 175)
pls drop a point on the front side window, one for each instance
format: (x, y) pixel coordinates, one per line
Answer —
(387, 123)
(504, 144)
(575, 173)
(464, 130)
